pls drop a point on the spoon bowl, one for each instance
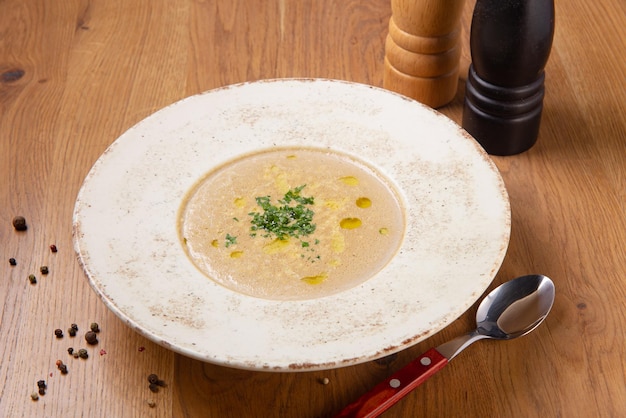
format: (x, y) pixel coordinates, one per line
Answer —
(511, 310)
(516, 307)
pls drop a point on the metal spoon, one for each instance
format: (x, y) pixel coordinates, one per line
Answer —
(511, 310)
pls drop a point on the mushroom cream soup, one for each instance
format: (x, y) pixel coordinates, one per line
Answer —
(291, 224)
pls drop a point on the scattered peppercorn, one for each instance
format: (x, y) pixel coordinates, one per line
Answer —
(94, 327)
(155, 382)
(70, 350)
(41, 384)
(58, 332)
(53, 248)
(74, 327)
(142, 348)
(82, 353)
(62, 367)
(75, 354)
(44, 270)
(71, 331)
(34, 396)
(103, 352)
(32, 279)
(19, 223)
(325, 381)
(12, 261)
(151, 403)
(91, 337)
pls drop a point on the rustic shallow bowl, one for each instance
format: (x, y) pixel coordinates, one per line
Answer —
(456, 210)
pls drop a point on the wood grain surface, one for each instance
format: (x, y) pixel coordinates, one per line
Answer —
(75, 74)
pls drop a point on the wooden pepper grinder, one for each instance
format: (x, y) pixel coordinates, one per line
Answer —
(510, 43)
(422, 50)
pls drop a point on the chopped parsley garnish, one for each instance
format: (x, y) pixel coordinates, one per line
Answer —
(290, 218)
(230, 240)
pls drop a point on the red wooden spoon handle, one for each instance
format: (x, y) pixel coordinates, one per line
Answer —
(395, 387)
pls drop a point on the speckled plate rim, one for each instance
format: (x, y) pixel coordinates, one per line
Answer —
(126, 238)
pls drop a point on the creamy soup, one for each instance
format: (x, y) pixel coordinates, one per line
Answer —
(291, 224)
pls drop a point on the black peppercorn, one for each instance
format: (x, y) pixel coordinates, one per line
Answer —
(70, 350)
(62, 367)
(41, 384)
(12, 261)
(91, 337)
(74, 327)
(53, 248)
(58, 332)
(34, 396)
(44, 269)
(82, 353)
(155, 382)
(71, 331)
(19, 223)
(32, 279)
(94, 327)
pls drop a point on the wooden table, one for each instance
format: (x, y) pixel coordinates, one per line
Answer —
(74, 75)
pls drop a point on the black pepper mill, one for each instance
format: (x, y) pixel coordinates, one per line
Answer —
(510, 43)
